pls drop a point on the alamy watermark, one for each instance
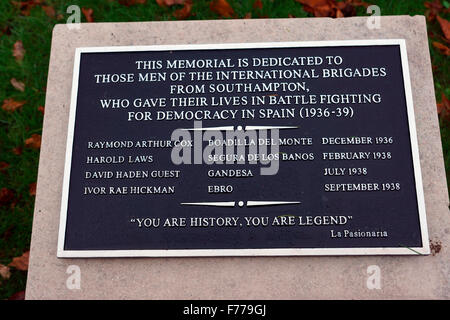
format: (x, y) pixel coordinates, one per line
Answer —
(74, 20)
(374, 21)
(73, 282)
(374, 277)
(243, 145)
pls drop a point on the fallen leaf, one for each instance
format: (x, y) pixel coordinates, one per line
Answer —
(436, 5)
(222, 8)
(169, 3)
(248, 15)
(24, 7)
(347, 9)
(8, 233)
(19, 85)
(440, 107)
(6, 196)
(34, 141)
(341, 5)
(257, 4)
(18, 51)
(431, 34)
(49, 11)
(313, 3)
(6, 30)
(41, 109)
(443, 108)
(445, 26)
(32, 188)
(18, 296)
(3, 165)
(88, 14)
(5, 272)
(184, 12)
(20, 263)
(320, 8)
(442, 48)
(17, 151)
(433, 9)
(12, 105)
(331, 8)
(358, 3)
(131, 2)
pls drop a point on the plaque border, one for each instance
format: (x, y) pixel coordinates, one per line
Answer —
(423, 250)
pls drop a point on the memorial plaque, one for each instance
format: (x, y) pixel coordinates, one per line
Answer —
(290, 148)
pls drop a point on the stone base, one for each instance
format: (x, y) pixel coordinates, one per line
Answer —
(345, 277)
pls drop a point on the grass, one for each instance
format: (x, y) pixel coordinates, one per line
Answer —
(35, 32)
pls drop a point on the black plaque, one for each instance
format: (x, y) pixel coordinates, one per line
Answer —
(242, 149)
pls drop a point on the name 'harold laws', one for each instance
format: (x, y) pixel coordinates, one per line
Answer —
(119, 159)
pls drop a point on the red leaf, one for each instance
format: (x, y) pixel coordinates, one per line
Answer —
(440, 107)
(5, 273)
(436, 4)
(49, 11)
(12, 105)
(19, 85)
(21, 263)
(24, 7)
(3, 165)
(320, 8)
(443, 48)
(6, 30)
(359, 3)
(17, 151)
(18, 296)
(222, 8)
(257, 4)
(41, 109)
(331, 8)
(131, 2)
(347, 10)
(169, 3)
(433, 9)
(34, 141)
(88, 14)
(443, 108)
(445, 26)
(184, 12)
(18, 51)
(32, 189)
(6, 196)
(313, 3)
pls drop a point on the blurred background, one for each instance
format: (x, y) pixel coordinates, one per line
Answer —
(25, 38)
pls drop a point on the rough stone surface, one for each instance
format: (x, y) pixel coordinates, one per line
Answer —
(345, 277)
